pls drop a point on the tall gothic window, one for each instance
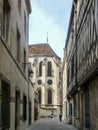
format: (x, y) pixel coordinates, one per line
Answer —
(49, 69)
(49, 96)
(40, 68)
(39, 96)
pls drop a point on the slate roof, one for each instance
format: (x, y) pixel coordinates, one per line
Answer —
(43, 49)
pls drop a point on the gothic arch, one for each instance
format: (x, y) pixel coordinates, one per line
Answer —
(49, 68)
(40, 68)
(49, 96)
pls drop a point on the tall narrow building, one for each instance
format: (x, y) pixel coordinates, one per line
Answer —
(47, 81)
(14, 83)
(81, 56)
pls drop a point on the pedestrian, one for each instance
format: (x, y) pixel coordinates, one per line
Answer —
(52, 115)
(60, 116)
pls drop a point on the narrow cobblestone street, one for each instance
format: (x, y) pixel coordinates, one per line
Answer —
(50, 124)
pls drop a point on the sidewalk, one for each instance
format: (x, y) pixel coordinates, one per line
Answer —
(72, 127)
(50, 124)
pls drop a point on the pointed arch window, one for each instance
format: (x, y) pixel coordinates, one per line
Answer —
(40, 68)
(39, 96)
(49, 69)
(49, 96)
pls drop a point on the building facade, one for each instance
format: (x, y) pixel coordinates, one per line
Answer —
(69, 68)
(14, 83)
(82, 64)
(64, 89)
(46, 66)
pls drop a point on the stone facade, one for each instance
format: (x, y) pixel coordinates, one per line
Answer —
(46, 66)
(64, 73)
(82, 63)
(14, 81)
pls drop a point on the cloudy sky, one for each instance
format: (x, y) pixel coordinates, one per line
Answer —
(50, 16)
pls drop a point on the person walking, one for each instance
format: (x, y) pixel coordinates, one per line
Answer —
(52, 115)
(60, 116)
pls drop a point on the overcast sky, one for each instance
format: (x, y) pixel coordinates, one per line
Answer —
(50, 16)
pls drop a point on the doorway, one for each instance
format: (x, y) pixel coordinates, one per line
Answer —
(81, 112)
(17, 110)
(87, 109)
(30, 112)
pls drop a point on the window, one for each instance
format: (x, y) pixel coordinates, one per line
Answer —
(24, 62)
(49, 72)
(39, 82)
(40, 68)
(5, 20)
(87, 109)
(5, 105)
(49, 82)
(49, 96)
(60, 75)
(19, 6)
(18, 45)
(24, 107)
(72, 67)
(25, 27)
(70, 109)
(39, 96)
(68, 77)
(75, 106)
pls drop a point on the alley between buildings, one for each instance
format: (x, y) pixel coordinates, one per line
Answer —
(50, 124)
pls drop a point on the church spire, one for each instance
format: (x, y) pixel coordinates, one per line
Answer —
(47, 37)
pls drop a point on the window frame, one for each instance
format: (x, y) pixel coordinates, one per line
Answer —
(40, 68)
(5, 105)
(18, 37)
(39, 96)
(19, 6)
(49, 96)
(24, 108)
(49, 68)
(5, 19)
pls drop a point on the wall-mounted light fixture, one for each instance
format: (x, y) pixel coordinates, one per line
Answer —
(30, 71)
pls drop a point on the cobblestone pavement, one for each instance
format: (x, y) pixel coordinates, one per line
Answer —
(50, 124)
